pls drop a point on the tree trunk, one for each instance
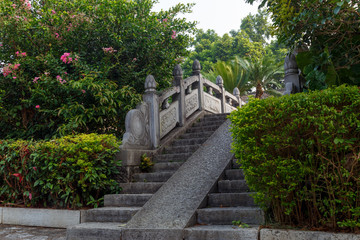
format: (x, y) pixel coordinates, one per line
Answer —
(259, 91)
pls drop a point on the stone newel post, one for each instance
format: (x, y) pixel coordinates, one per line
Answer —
(292, 78)
(178, 81)
(196, 67)
(236, 93)
(152, 99)
(220, 83)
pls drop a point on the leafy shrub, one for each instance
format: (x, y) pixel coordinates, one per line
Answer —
(145, 163)
(69, 172)
(80, 65)
(301, 154)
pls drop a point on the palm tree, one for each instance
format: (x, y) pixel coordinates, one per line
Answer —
(262, 74)
(232, 73)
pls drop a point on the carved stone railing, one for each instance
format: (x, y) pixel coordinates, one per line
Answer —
(159, 113)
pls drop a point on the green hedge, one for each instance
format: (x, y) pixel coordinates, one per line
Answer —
(69, 172)
(301, 154)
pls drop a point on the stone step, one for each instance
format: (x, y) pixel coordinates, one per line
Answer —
(225, 216)
(190, 141)
(214, 117)
(140, 187)
(126, 200)
(153, 177)
(166, 166)
(196, 135)
(95, 231)
(232, 186)
(109, 214)
(234, 174)
(175, 157)
(202, 129)
(208, 123)
(220, 232)
(181, 149)
(230, 200)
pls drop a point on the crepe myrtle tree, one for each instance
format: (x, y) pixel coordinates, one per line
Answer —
(79, 66)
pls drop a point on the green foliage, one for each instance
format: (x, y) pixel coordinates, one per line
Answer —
(69, 172)
(263, 74)
(232, 73)
(240, 224)
(145, 163)
(80, 65)
(328, 32)
(300, 153)
(256, 26)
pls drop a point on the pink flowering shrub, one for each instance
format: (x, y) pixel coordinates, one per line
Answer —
(82, 62)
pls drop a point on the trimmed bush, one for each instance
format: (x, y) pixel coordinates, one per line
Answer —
(301, 154)
(69, 172)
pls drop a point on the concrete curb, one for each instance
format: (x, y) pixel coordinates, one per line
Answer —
(39, 217)
(279, 234)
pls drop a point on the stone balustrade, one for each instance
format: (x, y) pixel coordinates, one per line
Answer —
(159, 113)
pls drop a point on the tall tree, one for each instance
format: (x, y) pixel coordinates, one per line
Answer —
(256, 26)
(326, 32)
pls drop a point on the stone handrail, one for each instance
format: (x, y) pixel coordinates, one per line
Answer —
(159, 113)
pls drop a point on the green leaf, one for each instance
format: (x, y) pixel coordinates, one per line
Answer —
(337, 10)
(338, 140)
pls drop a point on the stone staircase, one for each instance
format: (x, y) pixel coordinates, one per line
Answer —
(229, 201)
(119, 208)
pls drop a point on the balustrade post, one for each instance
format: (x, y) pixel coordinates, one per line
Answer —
(236, 93)
(220, 83)
(292, 78)
(196, 67)
(152, 99)
(178, 81)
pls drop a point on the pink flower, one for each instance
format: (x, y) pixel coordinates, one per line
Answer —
(46, 73)
(1, 44)
(7, 70)
(165, 20)
(83, 91)
(27, 4)
(53, 12)
(173, 36)
(19, 54)
(134, 59)
(37, 106)
(57, 35)
(65, 58)
(14, 77)
(34, 168)
(16, 66)
(109, 50)
(60, 79)
(36, 79)
(30, 196)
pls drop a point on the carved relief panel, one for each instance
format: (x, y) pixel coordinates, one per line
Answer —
(212, 104)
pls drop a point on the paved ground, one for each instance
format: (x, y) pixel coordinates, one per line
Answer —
(13, 232)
